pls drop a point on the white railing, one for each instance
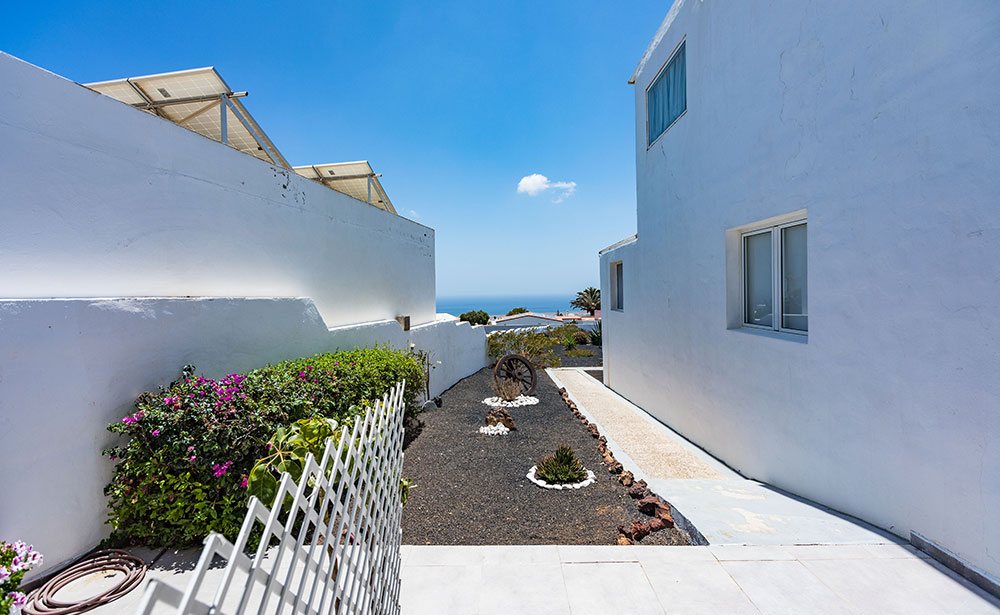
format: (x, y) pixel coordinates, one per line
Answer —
(519, 330)
(330, 543)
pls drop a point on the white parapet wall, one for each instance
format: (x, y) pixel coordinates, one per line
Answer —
(877, 121)
(70, 367)
(98, 199)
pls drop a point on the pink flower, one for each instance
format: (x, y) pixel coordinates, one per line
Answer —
(193, 457)
(219, 470)
(190, 448)
(243, 483)
(156, 432)
(19, 598)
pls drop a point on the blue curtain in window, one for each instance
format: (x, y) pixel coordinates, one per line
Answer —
(666, 99)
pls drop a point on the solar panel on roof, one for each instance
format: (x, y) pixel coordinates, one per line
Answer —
(196, 99)
(200, 100)
(355, 179)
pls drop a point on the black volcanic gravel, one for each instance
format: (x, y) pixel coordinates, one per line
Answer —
(471, 488)
(593, 361)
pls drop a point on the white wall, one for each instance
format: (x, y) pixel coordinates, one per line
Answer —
(70, 367)
(99, 199)
(881, 120)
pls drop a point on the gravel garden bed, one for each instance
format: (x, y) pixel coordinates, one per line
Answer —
(471, 488)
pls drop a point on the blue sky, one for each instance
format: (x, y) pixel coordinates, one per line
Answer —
(453, 102)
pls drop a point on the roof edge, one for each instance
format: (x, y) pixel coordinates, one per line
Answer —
(616, 245)
(657, 38)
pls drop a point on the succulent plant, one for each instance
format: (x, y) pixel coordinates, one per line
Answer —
(561, 467)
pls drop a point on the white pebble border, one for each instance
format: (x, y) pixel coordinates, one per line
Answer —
(544, 485)
(494, 430)
(522, 400)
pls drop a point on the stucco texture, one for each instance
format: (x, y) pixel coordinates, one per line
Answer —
(879, 121)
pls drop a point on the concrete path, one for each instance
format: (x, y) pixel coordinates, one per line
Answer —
(581, 580)
(723, 506)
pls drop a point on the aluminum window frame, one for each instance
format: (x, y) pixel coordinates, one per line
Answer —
(777, 252)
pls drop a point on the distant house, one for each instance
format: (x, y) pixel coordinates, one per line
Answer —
(814, 289)
(531, 319)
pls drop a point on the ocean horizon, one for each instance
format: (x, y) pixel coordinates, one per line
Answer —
(493, 306)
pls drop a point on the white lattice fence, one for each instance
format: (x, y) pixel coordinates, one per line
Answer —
(330, 543)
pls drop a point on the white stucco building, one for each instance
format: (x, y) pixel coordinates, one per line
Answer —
(814, 289)
(131, 246)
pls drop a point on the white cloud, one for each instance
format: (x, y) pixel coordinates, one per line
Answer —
(535, 184)
(414, 215)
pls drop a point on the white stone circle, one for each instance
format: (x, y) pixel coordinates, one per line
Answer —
(494, 430)
(544, 485)
(522, 400)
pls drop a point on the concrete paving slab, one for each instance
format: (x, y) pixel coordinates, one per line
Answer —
(609, 587)
(534, 588)
(656, 453)
(697, 587)
(748, 512)
(784, 587)
(902, 585)
(723, 506)
(732, 579)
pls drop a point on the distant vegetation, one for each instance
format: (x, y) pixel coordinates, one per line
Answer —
(475, 317)
(517, 310)
(588, 299)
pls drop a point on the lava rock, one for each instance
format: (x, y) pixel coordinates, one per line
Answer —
(502, 416)
(639, 490)
(616, 468)
(639, 530)
(626, 478)
(623, 540)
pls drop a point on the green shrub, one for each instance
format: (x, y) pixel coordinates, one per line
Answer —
(287, 452)
(580, 352)
(596, 335)
(566, 335)
(534, 346)
(475, 317)
(560, 467)
(517, 310)
(581, 337)
(185, 469)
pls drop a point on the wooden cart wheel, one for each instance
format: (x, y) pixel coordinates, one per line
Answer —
(518, 368)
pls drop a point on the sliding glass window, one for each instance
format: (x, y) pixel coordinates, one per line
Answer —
(775, 271)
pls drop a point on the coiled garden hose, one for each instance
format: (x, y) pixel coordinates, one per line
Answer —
(42, 601)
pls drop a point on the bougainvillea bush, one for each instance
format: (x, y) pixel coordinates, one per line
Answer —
(183, 472)
(15, 560)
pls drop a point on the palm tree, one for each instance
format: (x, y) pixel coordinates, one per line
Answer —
(588, 299)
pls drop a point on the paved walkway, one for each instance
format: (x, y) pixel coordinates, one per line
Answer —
(723, 506)
(718, 580)
(769, 552)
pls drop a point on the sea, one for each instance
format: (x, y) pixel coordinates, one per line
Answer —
(501, 305)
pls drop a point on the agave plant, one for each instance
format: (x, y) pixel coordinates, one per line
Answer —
(561, 467)
(596, 335)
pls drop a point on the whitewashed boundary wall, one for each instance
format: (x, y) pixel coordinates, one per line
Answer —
(70, 367)
(345, 556)
(98, 199)
(880, 119)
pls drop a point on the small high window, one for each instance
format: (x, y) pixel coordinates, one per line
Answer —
(617, 287)
(774, 274)
(666, 98)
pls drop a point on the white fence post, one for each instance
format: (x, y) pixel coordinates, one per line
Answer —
(337, 534)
